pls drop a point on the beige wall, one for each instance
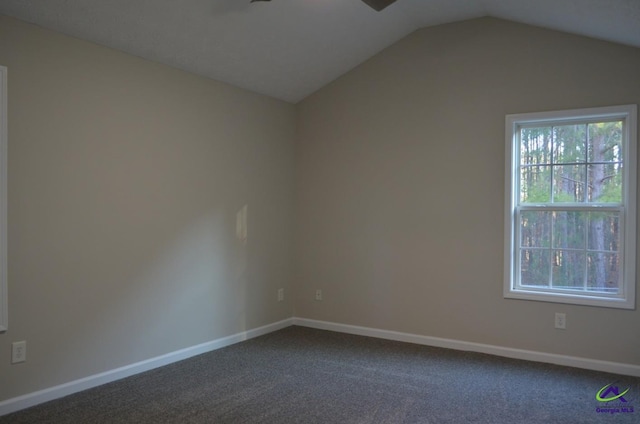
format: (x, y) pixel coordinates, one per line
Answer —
(400, 185)
(125, 177)
(124, 180)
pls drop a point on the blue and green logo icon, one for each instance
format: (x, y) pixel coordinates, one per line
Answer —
(610, 393)
(611, 400)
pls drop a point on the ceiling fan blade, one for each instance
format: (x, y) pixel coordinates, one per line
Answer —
(378, 4)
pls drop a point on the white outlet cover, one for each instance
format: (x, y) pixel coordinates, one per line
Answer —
(561, 321)
(18, 352)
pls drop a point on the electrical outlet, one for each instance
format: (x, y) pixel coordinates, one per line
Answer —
(318, 294)
(561, 321)
(280, 295)
(18, 352)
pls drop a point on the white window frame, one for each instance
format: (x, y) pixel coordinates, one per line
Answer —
(4, 312)
(626, 298)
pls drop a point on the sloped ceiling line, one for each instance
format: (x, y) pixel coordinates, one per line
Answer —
(288, 49)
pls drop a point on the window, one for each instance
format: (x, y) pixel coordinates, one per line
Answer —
(4, 315)
(570, 217)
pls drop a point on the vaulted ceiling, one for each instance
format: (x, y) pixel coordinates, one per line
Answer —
(288, 49)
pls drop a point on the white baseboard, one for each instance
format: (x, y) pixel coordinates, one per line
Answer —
(528, 355)
(31, 399)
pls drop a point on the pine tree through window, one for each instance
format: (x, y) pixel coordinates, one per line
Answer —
(570, 230)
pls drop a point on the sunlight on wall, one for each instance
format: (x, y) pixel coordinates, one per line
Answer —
(198, 278)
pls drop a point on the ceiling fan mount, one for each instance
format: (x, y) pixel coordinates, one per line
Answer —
(377, 5)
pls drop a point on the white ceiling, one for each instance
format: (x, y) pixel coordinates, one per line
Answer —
(288, 49)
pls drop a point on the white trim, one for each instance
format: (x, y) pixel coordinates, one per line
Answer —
(507, 352)
(31, 399)
(4, 303)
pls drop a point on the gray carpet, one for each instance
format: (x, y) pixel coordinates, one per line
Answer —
(302, 375)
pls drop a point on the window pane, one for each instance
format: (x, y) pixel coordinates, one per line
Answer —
(535, 146)
(535, 229)
(569, 145)
(568, 180)
(568, 269)
(604, 231)
(603, 272)
(534, 267)
(605, 142)
(569, 229)
(568, 183)
(535, 184)
(605, 183)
